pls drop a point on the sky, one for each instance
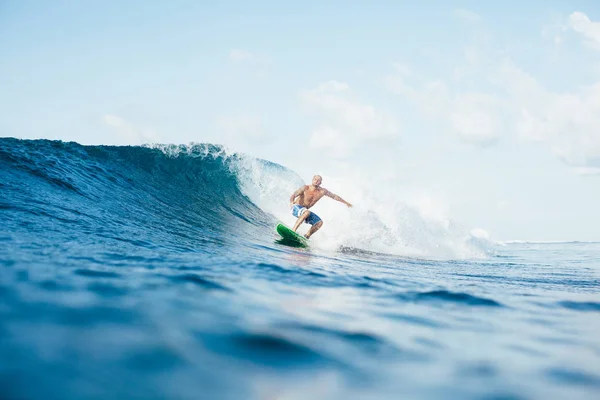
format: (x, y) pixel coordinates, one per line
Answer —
(490, 110)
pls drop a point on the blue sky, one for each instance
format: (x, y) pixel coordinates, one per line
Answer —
(492, 110)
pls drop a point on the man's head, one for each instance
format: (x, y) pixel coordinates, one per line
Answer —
(316, 180)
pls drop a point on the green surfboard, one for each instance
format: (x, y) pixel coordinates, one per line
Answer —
(291, 237)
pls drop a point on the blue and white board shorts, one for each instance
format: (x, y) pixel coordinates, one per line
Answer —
(298, 210)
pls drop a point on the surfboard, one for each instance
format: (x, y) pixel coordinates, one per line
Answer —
(290, 236)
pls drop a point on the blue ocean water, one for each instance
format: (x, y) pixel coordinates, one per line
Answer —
(148, 273)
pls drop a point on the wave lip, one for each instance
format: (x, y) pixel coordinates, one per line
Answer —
(449, 297)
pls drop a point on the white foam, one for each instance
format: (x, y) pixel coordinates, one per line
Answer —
(380, 222)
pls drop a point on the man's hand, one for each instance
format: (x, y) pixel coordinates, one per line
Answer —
(349, 205)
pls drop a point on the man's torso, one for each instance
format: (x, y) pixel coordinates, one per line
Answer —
(310, 196)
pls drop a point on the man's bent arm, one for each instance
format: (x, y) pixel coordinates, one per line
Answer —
(296, 194)
(337, 198)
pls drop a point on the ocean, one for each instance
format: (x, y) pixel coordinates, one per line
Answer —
(154, 272)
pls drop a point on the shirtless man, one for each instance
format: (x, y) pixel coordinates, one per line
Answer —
(306, 197)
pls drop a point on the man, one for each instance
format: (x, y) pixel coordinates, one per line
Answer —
(306, 197)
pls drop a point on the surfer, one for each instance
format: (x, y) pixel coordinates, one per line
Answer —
(306, 197)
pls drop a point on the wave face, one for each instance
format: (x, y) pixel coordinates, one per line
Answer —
(170, 197)
(155, 272)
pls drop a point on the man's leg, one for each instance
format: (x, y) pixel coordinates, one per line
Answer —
(313, 229)
(301, 219)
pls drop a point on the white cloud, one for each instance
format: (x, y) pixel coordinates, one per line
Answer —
(239, 55)
(558, 40)
(344, 122)
(474, 117)
(587, 171)
(555, 31)
(590, 30)
(333, 86)
(569, 123)
(397, 82)
(503, 204)
(467, 16)
(332, 140)
(246, 128)
(129, 134)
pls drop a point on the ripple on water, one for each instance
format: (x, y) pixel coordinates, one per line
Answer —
(430, 343)
(94, 315)
(589, 306)
(502, 396)
(527, 351)
(279, 270)
(448, 297)
(564, 375)
(198, 281)
(365, 342)
(481, 369)
(106, 290)
(92, 273)
(154, 359)
(264, 349)
(54, 286)
(415, 320)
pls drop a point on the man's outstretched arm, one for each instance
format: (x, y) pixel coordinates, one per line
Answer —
(296, 194)
(337, 198)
